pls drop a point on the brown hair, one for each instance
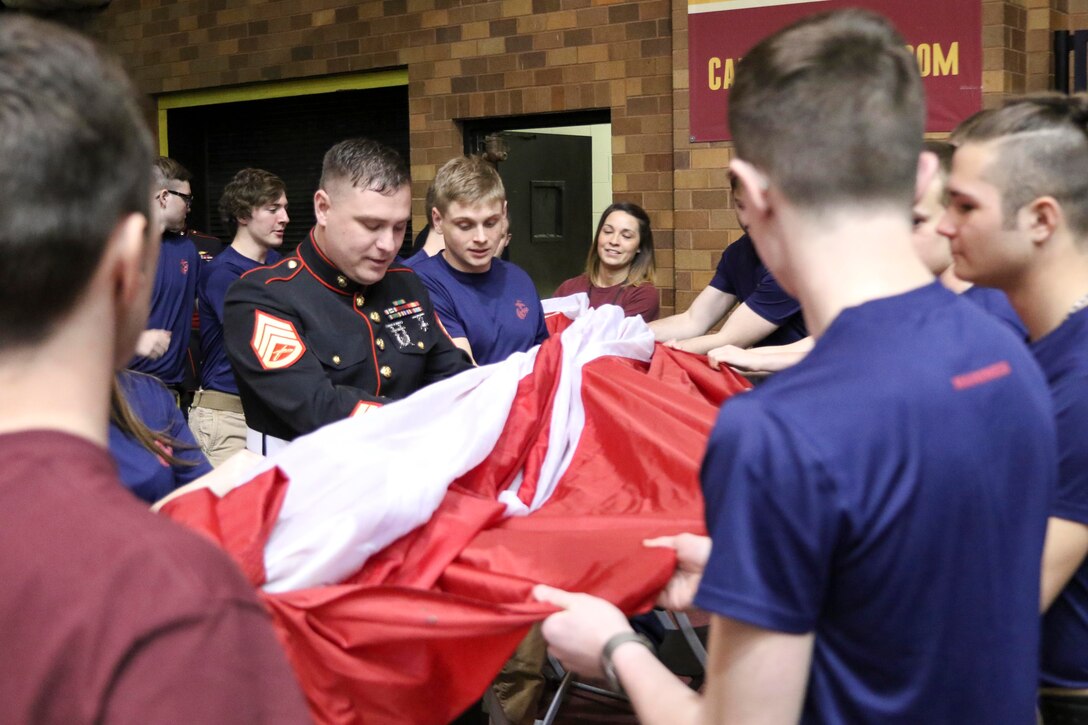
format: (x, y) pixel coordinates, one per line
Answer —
(367, 164)
(467, 179)
(76, 159)
(1041, 149)
(160, 443)
(831, 109)
(249, 189)
(167, 169)
(642, 266)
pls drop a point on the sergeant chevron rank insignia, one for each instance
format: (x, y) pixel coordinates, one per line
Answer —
(275, 342)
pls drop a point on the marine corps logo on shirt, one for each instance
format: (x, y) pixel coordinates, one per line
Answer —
(522, 309)
(275, 342)
(185, 266)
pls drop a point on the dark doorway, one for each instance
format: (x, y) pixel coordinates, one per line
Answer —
(548, 190)
(287, 136)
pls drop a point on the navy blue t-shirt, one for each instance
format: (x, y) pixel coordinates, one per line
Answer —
(742, 274)
(997, 304)
(172, 300)
(889, 494)
(415, 259)
(498, 311)
(1063, 355)
(219, 274)
(147, 475)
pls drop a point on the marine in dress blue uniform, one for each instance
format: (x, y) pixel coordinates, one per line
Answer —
(310, 346)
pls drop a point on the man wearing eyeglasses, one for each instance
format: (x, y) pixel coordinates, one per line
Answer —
(162, 347)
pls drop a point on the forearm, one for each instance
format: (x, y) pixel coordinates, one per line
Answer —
(1064, 552)
(765, 359)
(676, 327)
(703, 344)
(657, 696)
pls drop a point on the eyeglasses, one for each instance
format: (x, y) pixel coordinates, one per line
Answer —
(187, 198)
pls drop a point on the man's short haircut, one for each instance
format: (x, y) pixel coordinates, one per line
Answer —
(366, 164)
(467, 180)
(831, 109)
(642, 266)
(965, 126)
(1040, 145)
(76, 159)
(249, 189)
(168, 170)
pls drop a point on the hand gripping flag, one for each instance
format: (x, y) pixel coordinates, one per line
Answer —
(397, 550)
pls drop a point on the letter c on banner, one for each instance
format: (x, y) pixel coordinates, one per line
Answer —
(714, 81)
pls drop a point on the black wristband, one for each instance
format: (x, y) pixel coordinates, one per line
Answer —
(610, 647)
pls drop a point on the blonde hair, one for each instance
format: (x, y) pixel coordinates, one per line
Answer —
(467, 180)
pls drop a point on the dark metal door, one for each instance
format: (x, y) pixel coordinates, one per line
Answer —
(550, 194)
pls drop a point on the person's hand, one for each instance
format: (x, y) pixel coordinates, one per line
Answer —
(692, 553)
(733, 356)
(152, 344)
(577, 635)
(675, 345)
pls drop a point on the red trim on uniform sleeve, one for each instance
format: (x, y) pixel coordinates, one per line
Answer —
(363, 407)
(276, 342)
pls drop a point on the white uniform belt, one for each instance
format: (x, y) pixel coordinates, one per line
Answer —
(263, 443)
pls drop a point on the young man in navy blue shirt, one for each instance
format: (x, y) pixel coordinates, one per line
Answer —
(255, 204)
(162, 348)
(760, 312)
(489, 307)
(1019, 221)
(877, 511)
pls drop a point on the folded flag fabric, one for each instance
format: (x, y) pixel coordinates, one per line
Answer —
(397, 551)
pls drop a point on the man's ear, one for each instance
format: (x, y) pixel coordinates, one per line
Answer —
(1041, 217)
(322, 204)
(928, 166)
(755, 186)
(436, 220)
(133, 255)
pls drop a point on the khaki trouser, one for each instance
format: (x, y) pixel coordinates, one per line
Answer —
(521, 683)
(218, 424)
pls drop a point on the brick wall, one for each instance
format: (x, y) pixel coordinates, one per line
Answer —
(484, 58)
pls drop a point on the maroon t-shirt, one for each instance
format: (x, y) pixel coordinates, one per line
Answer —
(111, 614)
(641, 299)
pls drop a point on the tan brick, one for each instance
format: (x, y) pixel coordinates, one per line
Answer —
(561, 20)
(475, 31)
(513, 8)
(562, 56)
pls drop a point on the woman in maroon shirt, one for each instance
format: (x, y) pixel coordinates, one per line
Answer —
(620, 265)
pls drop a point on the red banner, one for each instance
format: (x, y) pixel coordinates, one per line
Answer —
(944, 36)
